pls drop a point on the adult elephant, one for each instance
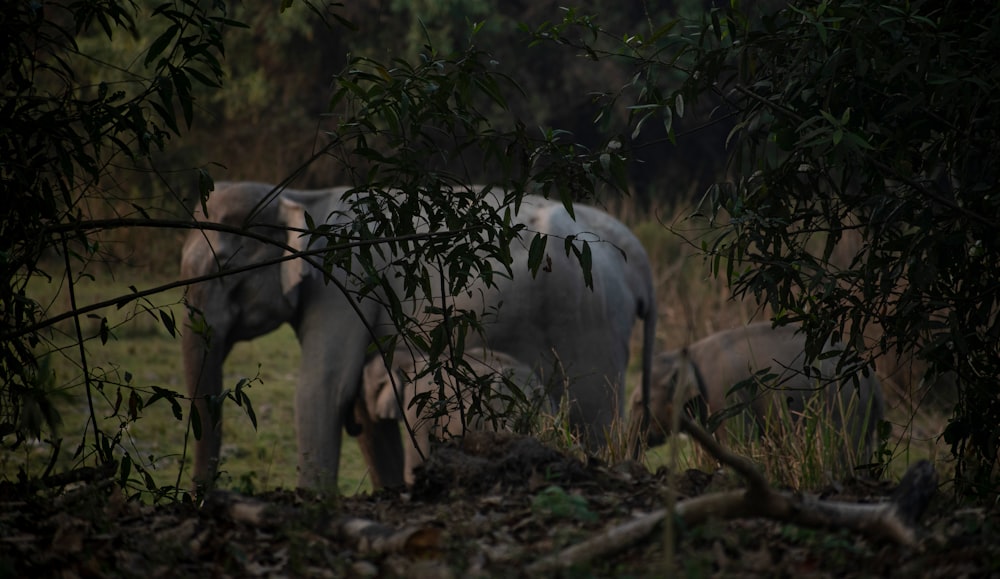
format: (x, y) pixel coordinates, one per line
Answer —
(570, 334)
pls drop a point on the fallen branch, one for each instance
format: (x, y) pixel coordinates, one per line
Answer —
(894, 520)
(366, 535)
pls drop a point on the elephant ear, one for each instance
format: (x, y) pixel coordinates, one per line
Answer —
(293, 216)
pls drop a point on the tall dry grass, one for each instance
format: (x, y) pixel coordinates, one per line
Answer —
(693, 303)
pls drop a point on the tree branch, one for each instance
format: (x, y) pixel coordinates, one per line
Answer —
(894, 520)
(125, 299)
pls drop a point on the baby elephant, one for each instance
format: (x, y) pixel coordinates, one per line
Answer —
(722, 360)
(492, 406)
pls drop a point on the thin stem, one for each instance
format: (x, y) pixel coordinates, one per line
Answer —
(83, 357)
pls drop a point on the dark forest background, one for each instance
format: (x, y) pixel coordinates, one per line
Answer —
(270, 118)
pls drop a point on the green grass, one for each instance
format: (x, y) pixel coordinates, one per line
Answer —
(140, 347)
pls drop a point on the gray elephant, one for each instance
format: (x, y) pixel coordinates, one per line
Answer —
(722, 360)
(413, 394)
(569, 333)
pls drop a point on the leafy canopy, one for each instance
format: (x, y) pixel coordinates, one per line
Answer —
(861, 124)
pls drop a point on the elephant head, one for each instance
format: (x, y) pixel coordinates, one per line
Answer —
(676, 383)
(411, 388)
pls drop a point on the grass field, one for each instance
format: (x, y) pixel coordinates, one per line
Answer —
(141, 349)
(141, 355)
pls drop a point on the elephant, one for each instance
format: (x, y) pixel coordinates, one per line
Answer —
(575, 337)
(412, 394)
(722, 360)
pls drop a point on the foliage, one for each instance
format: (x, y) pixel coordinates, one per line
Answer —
(856, 121)
(870, 118)
(59, 138)
(555, 503)
(868, 122)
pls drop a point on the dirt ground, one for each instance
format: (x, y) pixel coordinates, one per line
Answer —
(496, 506)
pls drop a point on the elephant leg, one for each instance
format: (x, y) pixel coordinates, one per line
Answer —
(208, 448)
(328, 382)
(203, 369)
(329, 376)
(594, 410)
(319, 445)
(594, 367)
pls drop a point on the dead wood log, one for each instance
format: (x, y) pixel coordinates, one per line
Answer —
(894, 520)
(366, 535)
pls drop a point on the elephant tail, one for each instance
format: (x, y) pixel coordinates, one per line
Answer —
(697, 407)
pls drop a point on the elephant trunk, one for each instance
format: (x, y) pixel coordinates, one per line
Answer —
(203, 357)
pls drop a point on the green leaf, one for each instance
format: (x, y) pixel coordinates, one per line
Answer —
(135, 405)
(195, 421)
(168, 117)
(230, 22)
(638, 126)
(536, 252)
(126, 470)
(858, 141)
(821, 30)
(183, 86)
(250, 412)
(168, 395)
(716, 25)
(168, 322)
(205, 186)
(161, 43)
(347, 24)
(586, 264)
(566, 196)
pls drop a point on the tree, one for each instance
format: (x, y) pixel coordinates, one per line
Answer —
(873, 117)
(59, 138)
(859, 118)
